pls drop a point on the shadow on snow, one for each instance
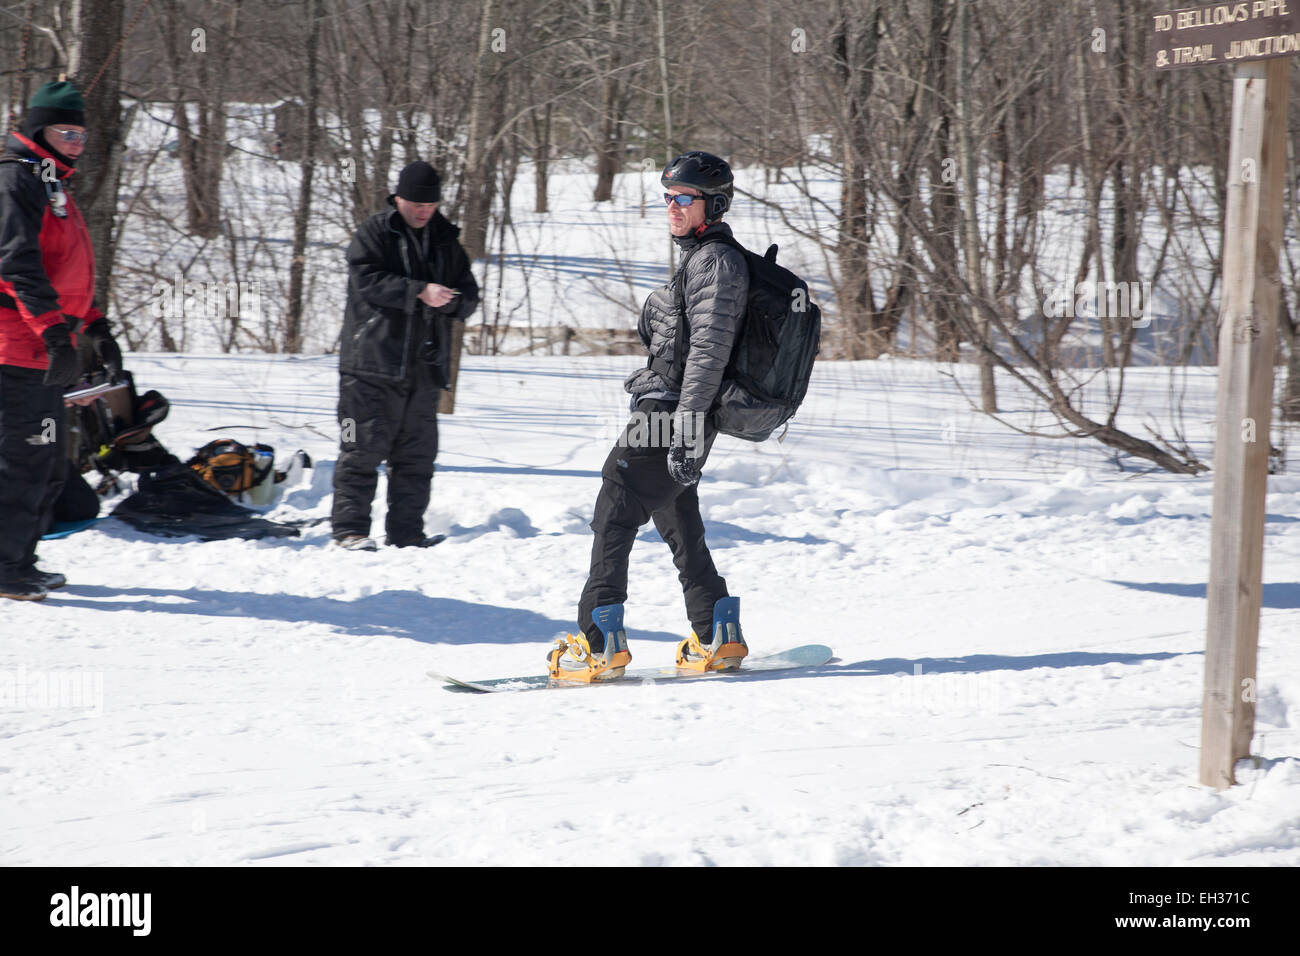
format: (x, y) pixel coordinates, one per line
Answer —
(981, 663)
(1284, 596)
(404, 614)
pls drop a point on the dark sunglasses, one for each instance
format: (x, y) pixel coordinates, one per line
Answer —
(69, 135)
(680, 198)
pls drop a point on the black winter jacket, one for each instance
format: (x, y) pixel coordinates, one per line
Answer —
(385, 324)
(715, 279)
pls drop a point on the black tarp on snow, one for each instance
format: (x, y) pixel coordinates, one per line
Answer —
(176, 502)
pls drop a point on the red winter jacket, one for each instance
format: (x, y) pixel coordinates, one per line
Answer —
(47, 265)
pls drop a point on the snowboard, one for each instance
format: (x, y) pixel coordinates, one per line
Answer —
(61, 529)
(809, 655)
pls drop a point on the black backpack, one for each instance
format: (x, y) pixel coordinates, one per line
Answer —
(232, 467)
(115, 433)
(772, 358)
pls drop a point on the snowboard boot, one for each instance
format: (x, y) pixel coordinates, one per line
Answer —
(50, 580)
(22, 590)
(725, 651)
(429, 542)
(573, 659)
(356, 542)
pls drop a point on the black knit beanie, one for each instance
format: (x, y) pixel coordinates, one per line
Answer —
(419, 182)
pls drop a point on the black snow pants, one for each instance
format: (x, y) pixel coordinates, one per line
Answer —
(32, 465)
(393, 422)
(635, 488)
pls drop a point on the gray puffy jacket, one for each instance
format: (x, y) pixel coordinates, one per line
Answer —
(716, 283)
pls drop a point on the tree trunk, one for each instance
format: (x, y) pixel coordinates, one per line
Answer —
(478, 184)
(855, 44)
(367, 193)
(99, 172)
(967, 162)
(664, 75)
(613, 107)
(1092, 180)
(302, 217)
(541, 157)
(1127, 178)
(1290, 334)
(201, 154)
(916, 121)
(943, 193)
(609, 147)
(382, 174)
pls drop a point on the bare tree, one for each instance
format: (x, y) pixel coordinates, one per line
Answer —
(302, 216)
(198, 53)
(107, 123)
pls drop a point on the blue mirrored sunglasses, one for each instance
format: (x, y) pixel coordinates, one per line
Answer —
(681, 199)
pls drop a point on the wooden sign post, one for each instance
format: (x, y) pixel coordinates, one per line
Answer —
(1256, 37)
(447, 401)
(1247, 343)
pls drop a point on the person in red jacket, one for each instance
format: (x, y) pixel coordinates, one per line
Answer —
(47, 291)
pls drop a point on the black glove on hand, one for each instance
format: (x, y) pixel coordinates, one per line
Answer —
(106, 347)
(681, 462)
(65, 364)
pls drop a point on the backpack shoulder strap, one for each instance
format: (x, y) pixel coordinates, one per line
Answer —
(31, 165)
(673, 371)
(727, 241)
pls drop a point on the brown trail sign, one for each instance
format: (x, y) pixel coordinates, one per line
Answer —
(1240, 34)
(1228, 33)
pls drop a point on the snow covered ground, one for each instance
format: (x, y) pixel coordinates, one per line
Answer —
(1018, 628)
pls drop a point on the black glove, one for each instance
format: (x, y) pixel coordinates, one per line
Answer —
(681, 461)
(65, 364)
(106, 347)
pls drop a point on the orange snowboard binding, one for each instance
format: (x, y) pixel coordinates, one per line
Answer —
(573, 659)
(728, 648)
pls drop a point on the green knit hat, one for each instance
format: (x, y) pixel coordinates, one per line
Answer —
(53, 103)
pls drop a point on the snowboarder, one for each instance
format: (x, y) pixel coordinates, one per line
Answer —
(653, 469)
(408, 278)
(47, 288)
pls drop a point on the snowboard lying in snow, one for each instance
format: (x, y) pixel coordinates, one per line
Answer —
(809, 655)
(61, 529)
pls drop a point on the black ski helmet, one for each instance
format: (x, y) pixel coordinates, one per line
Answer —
(703, 171)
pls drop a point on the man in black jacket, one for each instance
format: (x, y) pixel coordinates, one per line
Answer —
(408, 278)
(688, 328)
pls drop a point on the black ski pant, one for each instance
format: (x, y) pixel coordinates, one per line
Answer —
(393, 422)
(32, 464)
(635, 488)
